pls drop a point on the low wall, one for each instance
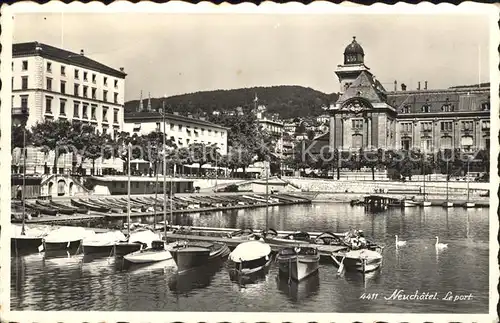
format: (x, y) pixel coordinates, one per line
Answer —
(211, 182)
(368, 187)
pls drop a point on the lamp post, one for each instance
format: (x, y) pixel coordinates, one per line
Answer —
(24, 180)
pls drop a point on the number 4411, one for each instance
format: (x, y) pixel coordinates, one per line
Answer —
(369, 296)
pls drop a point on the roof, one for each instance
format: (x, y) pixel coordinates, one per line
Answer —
(354, 48)
(61, 55)
(462, 100)
(364, 86)
(136, 117)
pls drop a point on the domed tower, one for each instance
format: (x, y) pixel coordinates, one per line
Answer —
(354, 53)
(354, 58)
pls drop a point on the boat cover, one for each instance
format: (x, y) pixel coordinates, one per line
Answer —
(65, 234)
(251, 250)
(363, 253)
(104, 238)
(145, 237)
(32, 232)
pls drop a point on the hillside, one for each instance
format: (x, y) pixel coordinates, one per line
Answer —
(287, 101)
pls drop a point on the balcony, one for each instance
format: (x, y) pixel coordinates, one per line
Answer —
(19, 111)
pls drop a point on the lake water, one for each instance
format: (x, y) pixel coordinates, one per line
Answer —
(78, 283)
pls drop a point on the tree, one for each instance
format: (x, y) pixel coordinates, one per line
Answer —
(122, 141)
(57, 136)
(16, 137)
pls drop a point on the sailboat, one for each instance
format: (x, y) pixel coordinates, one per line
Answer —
(447, 203)
(468, 203)
(425, 203)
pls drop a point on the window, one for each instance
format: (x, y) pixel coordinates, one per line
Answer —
(187, 141)
(137, 127)
(406, 143)
(63, 87)
(25, 65)
(426, 143)
(76, 110)
(84, 112)
(467, 125)
(85, 76)
(49, 67)
(426, 126)
(426, 108)
(24, 83)
(180, 127)
(93, 112)
(467, 142)
(24, 103)
(171, 126)
(485, 106)
(115, 116)
(105, 96)
(62, 107)
(77, 74)
(116, 84)
(48, 105)
(63, 70)
(486, 125)
(105, 114)
(158, 128)
(357, 124)
(115, 98)
(12, 81)
(94, 78)
(406, 126)
(94, 93)
(446, 142)
(447, 126)
(447, 108)
(77, 89)
(49, 84)
(105, 81)
(85, 91)
(357, 141)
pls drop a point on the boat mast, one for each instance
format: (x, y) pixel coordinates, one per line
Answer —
(128, 188)
(156, 196)
(423, 172)
(172, 196)
(24, 180)
(468, 164)
(164, 175)
(267, 195)
(447, 179)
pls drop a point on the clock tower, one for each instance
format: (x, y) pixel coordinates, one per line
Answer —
(354, 57)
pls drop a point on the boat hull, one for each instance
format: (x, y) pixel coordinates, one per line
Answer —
(25, 243)
(356, 264)
(61, 245)
(249, 268)
(122, 249)
(96, 249)
(298, 268)
(193, 257)
(448, 204)
(148, 256)
(426, 203)
(469, 204)
(407, 203)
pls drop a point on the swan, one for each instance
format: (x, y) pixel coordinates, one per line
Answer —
(440, 245)
(399, 243)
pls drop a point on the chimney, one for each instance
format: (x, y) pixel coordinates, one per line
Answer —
(425, 85)
(122, 69)
(82, 52)
(418, 87)
(403, 87)
(395, 86)
(149, 101)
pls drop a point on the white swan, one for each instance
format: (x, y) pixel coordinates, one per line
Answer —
(440, 245)
(399, 243)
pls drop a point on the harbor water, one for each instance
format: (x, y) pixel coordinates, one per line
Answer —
(40, 282)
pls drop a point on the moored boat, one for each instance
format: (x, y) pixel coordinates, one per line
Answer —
(27, 242)
(298, 263)
(188, 255)
(469, 204)
(157, 252)
(448, 204)
(409, 203)
(65, 238)
(426, 203)
(137, 240)
(249, 257)
(295, 238)
(90, 206)
(102, 243)
(361, 260)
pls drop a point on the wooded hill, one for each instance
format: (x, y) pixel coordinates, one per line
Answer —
(287, 101)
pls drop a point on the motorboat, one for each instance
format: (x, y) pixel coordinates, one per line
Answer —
(295, 238)
(361, 260)
(159, 251)
(409, 203)
(244, 234)
(328, 238)
(137, 240)
(299, 262)
(249, 257)
(426, 203)
(469, 204)
(448, 204)
(65, 238)
(102, 243)
(27, 242)
(189, 255)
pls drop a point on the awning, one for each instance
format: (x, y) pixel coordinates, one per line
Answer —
(467, 141)
(139, 161)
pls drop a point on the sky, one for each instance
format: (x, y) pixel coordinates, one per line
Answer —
(169, 54)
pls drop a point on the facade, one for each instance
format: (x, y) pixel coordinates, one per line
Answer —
(50, 83)
(369, 117)
(183, 131)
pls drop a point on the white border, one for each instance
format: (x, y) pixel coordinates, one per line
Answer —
(491, 12)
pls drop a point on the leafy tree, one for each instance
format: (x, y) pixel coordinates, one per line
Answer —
(16, 137)
(120, 149)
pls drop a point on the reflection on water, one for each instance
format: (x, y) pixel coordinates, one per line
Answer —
(75, 282)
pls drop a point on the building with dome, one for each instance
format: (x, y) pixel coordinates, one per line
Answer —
(368, 116)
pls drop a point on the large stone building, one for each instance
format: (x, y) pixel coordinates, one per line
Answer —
(49, 83)
(184, 131)
(367, 116)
